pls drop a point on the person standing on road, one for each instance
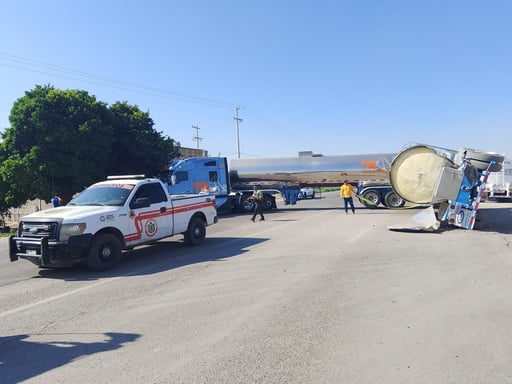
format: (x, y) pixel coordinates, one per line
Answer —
(257, 198)
(346, 192)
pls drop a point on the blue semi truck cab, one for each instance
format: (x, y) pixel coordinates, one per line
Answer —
(210, 175)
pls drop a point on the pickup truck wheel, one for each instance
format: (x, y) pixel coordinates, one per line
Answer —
(392, 200)
(104, 253)
(196, 231)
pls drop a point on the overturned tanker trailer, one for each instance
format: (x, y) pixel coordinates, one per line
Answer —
(448, 181)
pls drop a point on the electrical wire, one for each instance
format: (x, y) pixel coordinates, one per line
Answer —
(35, 66)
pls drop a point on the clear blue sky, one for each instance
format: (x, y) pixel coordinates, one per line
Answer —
(330, 76)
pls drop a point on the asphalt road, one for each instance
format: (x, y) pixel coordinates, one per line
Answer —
(310, 295)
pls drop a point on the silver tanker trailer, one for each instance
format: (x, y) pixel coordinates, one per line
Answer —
(286, 175)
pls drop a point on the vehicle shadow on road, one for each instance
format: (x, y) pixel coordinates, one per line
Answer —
(25, 356)
(494, 220)
(158, 257)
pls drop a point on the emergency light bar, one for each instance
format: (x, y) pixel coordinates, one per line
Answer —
(125, 177)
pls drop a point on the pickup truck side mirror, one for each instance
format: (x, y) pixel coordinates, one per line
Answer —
(141, 202)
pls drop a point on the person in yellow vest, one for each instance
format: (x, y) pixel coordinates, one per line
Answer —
(257, 197)
(346, 192)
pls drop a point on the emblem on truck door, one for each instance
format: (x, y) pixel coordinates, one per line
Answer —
(151, 227)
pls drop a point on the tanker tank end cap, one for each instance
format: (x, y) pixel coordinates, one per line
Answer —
(423, 221)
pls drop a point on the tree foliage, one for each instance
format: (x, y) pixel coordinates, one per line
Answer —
(136, 146)
(63, 140)
(59, 141)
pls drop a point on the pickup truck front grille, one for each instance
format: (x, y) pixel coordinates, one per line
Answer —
(37, 230)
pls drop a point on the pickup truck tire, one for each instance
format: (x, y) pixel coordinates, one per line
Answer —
(196, 231)
(104, 253)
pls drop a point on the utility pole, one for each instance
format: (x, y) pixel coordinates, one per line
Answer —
(196, 137)
(237, 120)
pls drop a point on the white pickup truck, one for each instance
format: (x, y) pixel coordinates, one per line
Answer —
(109, 216)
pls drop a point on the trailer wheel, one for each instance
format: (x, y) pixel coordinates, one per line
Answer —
(104, 253)
(392, 200)
(371, 198)
(196, 231)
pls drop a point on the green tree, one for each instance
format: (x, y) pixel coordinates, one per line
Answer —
(59, 141)
(64, 140)
(137, 148)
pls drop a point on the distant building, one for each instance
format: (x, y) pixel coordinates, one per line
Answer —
(192, 152)
(309, 154)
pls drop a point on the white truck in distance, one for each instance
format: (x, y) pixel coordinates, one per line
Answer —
(107, 217)
(499, 184)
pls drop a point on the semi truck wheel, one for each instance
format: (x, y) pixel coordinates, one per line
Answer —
(196, 231)
(371, 198)
(267, 203)
(246, 204)
(392, 200)
(104, 253)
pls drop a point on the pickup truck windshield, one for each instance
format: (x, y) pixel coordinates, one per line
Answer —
(114, 195)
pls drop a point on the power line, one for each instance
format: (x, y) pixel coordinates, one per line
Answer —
(275, 129)
(30, 65)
